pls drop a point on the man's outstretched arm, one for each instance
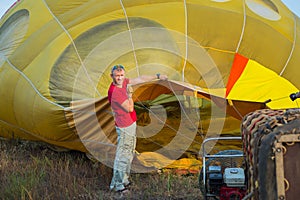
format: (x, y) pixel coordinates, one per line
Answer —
(146, 78)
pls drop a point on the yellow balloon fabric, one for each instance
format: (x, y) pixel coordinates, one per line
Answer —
(56, 56)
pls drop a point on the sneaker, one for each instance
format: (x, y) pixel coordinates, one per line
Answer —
(124, 192)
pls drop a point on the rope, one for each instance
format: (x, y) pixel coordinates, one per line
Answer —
(185, 58)
(293, 48)
(72, 41)
(216, 49)
(169, 125)
(31, 84)
(43, 139)
(243, 29)
(280, 98)
(131, 39)
(181, 106)
(186, 40)
(19, 128)
(236, 110)
(260, 123)
(248, 196)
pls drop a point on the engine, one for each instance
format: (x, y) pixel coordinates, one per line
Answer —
(228, 184)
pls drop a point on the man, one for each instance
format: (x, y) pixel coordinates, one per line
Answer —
(120, 98)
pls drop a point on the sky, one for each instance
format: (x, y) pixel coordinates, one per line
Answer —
(294, 5)
(4, 5)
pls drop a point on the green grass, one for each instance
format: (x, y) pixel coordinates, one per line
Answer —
(30, 170)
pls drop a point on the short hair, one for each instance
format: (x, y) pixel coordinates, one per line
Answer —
(117, 67)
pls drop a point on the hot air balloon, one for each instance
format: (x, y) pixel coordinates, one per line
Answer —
(224, 58)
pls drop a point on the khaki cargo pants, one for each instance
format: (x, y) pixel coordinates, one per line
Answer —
(125, 151)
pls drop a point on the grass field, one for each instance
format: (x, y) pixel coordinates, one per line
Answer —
(32, 171)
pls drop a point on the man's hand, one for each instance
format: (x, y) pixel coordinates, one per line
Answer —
(129, 90)
(163, 77)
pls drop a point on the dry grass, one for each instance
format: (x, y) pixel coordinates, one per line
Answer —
(32, 171)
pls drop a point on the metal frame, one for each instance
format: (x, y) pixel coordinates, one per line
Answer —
(205, 156)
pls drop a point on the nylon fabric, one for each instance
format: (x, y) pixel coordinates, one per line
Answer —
(56, 56)
(262, 86)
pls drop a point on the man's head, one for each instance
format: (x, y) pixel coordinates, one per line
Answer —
(118, 74)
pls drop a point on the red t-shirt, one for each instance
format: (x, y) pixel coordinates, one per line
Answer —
(116, 96)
